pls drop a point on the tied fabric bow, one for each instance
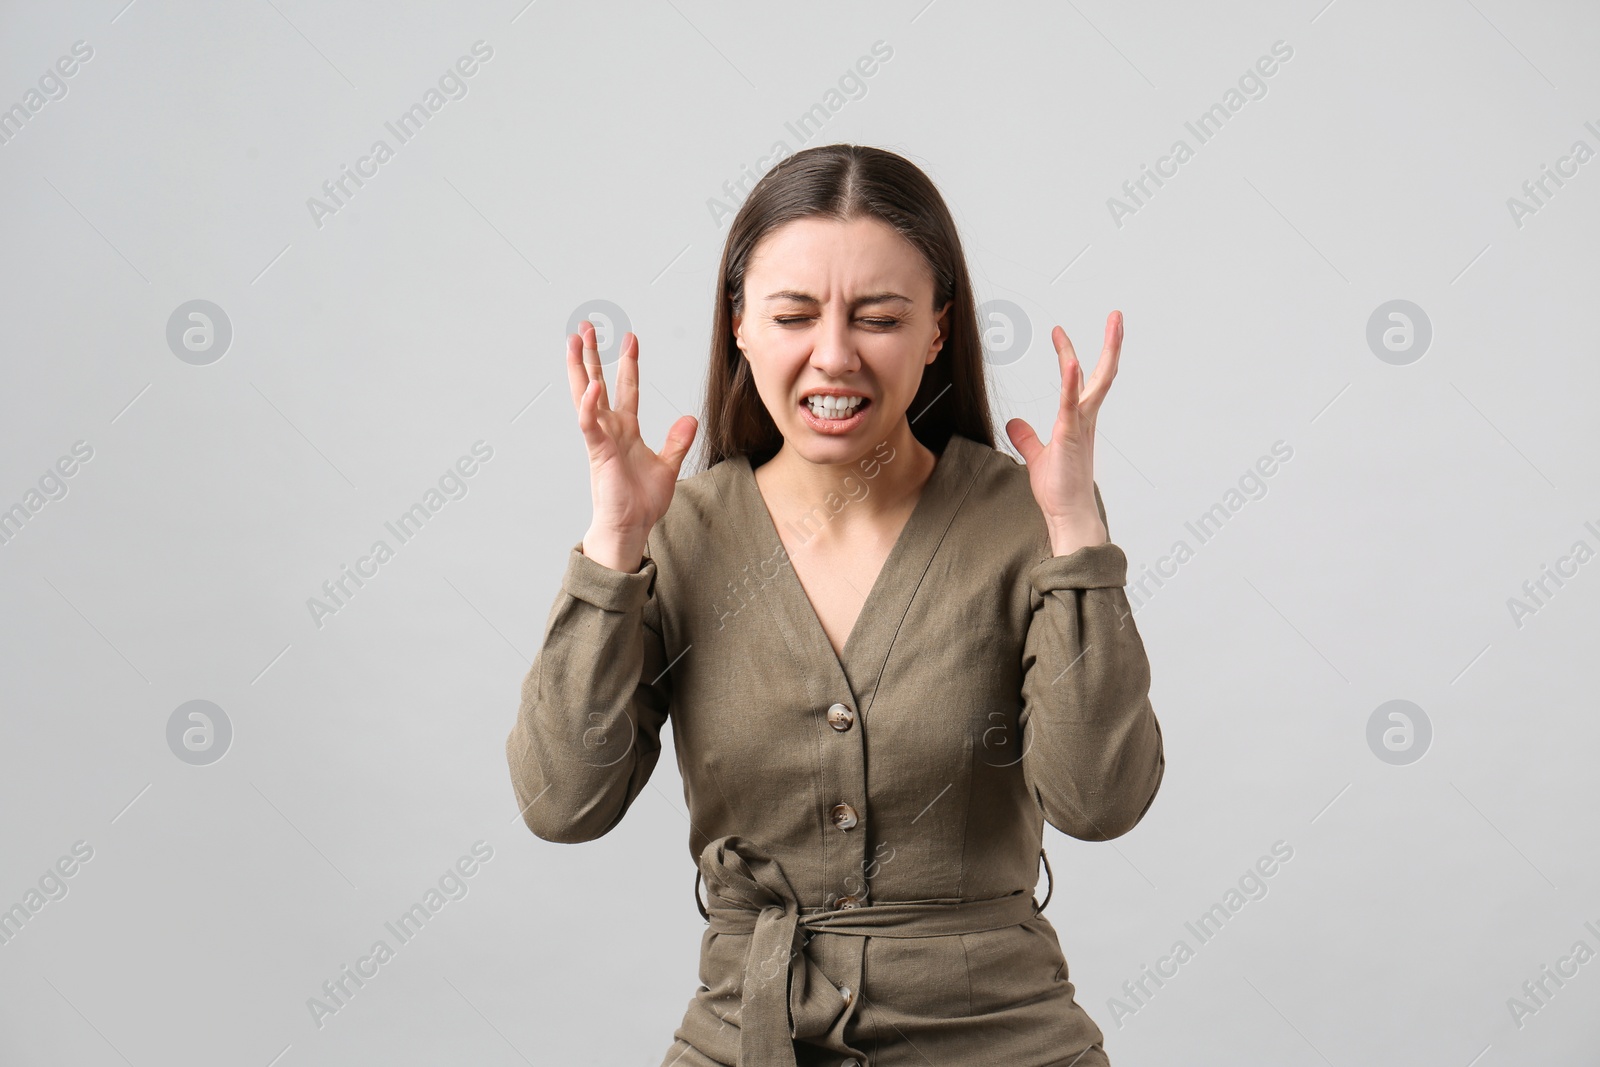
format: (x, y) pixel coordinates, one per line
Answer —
(781, 983)
(786, 996)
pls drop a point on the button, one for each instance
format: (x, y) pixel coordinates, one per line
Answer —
(840, 717)
(847, 995)
(849, 902)
(844, 816)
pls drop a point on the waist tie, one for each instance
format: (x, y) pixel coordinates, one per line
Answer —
(750, 895)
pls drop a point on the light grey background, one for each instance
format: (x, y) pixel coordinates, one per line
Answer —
(369, 353)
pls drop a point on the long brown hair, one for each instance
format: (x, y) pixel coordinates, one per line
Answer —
(845, 182)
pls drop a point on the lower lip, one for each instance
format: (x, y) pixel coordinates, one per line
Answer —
(834, 426)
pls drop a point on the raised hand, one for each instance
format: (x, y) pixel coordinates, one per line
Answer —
(1062, 472)
(630, 484)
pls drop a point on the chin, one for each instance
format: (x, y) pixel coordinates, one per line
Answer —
(822, 448)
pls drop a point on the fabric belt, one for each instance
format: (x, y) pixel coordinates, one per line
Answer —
(750, 895)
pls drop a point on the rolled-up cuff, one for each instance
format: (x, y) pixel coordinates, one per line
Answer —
(612, 590)
(1102, 566)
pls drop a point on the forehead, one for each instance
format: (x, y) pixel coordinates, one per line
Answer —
(826, 258)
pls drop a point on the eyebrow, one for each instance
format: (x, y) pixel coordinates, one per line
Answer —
(806, 298)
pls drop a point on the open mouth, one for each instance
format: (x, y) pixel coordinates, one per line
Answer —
(834, 407)
(834, 414)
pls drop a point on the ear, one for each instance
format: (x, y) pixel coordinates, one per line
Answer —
(738, 317)
(942, 319)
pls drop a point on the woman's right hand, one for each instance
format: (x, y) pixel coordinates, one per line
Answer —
(631, 485)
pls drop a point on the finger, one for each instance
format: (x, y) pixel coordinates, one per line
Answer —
(595, 437)
(591, 359)
(1065, 353)
(1105, 368)
(1071, 385)
(1025, 440)
(628, 375)
(577, 376)
(599, 435)
(679, 437)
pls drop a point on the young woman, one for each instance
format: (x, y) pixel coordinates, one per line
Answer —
(890, 652)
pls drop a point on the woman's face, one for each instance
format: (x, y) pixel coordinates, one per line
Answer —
(838, 309)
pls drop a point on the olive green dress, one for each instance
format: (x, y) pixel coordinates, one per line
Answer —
(866, 827)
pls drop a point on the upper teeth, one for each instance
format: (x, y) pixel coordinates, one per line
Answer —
(834, 406)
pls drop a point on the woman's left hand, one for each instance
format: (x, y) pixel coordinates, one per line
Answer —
(1062, 472)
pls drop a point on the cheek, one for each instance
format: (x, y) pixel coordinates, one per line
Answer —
(907, 373)
(772, 381)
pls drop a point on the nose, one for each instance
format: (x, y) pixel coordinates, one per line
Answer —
(834, 351)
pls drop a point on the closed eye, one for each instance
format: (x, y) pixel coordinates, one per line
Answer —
(878, 323)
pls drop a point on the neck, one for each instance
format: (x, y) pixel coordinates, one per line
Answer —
(875, 483)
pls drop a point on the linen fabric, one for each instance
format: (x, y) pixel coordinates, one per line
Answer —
(868, 824)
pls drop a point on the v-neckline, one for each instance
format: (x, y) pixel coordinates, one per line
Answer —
(887, 602)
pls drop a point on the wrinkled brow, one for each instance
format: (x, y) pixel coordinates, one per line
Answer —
(799, 297)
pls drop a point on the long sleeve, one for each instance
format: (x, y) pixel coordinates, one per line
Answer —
(588, 730)
(1092, 747)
